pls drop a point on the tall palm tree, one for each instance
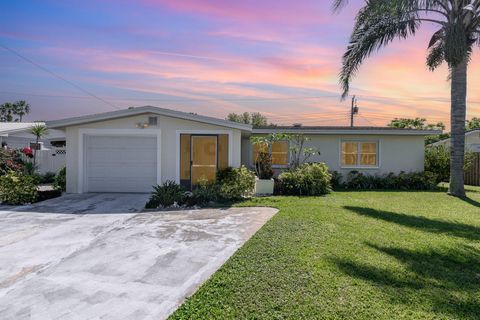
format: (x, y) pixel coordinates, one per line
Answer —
(39, 131)
(379, 22)
(21, 108)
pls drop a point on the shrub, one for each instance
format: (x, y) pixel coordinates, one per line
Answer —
(47, 177)
(308, 179)
(437, 160)
(17, 188)
(166, 195)
(60, 182)
(10, 160)
(336, 180)
(235, 183)
(402, 181)
(203, 194)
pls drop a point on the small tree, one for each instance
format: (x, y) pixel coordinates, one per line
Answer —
(39, 131)
(299, 153)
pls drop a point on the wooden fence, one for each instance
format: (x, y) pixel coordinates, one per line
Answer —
(472, 176)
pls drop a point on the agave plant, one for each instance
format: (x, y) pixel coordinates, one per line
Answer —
(379, 22)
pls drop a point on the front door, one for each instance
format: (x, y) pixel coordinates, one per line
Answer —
(203, 158)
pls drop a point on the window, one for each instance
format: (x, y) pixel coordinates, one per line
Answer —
(278, 150)
(280, 153)
(359, 154)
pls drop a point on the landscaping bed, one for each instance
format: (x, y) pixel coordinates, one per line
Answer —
(353, 255)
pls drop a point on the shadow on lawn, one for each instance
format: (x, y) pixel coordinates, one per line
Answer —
(436, 226)
(444, 281)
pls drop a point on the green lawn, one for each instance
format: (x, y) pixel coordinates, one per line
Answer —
(353, 255)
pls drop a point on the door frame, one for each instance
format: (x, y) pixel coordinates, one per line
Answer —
(191, 152)
(202, 132)
(82, 151)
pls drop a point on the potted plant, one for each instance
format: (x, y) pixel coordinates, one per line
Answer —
(263, 167)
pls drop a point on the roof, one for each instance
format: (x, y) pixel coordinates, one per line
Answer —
(146, 109)
(344, 130)
(12, 127)
(468, 133)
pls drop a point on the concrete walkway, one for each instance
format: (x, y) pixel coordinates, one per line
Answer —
(113, 264)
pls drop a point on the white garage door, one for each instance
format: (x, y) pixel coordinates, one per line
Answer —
(121, 163)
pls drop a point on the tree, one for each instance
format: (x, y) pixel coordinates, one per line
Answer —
(256, 119)
(6, 112)
(21, 108)
(473, 124)
(39, 131)
(14, 112)
(379, 22)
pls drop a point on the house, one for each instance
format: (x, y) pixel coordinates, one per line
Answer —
(133, 149)
(17, 135)
(50, 149)
(472, 141)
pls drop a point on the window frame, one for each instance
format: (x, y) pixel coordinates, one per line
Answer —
(274, 166)
(358, 142)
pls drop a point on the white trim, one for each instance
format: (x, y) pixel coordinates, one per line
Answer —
(177, 146)
(154, 132)
(358, 141)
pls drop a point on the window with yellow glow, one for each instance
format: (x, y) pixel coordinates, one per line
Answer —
(280, 153)
(361, 154)
(278, 150)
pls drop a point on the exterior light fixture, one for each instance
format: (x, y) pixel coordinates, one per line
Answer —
(142, 125)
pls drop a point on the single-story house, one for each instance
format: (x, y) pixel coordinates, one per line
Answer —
(17, 135)
(133, 149)
(50, 148)
(472, 141)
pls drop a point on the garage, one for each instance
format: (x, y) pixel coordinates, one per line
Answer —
(120, 163)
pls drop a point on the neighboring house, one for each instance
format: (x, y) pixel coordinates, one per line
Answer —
(51, 148)
(472, 141)
(131, 150)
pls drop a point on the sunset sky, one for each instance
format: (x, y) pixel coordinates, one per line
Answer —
(280, 58)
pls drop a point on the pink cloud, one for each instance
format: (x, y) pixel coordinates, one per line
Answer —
(285, 12)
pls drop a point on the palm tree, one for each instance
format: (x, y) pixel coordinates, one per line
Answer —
(379, 22)
(21, 108)
(39, 131)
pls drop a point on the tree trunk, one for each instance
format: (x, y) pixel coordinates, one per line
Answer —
(35, 155)
(457, 122)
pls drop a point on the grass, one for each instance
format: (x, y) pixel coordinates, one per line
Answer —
(352, 255)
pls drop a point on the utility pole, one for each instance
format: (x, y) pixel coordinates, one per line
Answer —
(354, 110)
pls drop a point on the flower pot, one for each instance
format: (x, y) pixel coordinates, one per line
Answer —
(264, 187)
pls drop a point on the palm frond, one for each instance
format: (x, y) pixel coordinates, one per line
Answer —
(376, 26)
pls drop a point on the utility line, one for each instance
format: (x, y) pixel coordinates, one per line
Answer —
(57, 76)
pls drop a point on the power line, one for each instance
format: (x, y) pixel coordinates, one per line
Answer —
(57, 76)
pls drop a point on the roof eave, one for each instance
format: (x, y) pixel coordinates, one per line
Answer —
(141, 110)
(350, 132)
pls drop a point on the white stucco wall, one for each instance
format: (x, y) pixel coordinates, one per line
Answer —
(169, 127)
(396, 153)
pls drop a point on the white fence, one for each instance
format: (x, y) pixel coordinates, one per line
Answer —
(50, 160)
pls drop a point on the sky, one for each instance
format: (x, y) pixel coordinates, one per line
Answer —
(212, 57)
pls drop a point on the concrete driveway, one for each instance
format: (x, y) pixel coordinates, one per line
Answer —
(96, 257)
